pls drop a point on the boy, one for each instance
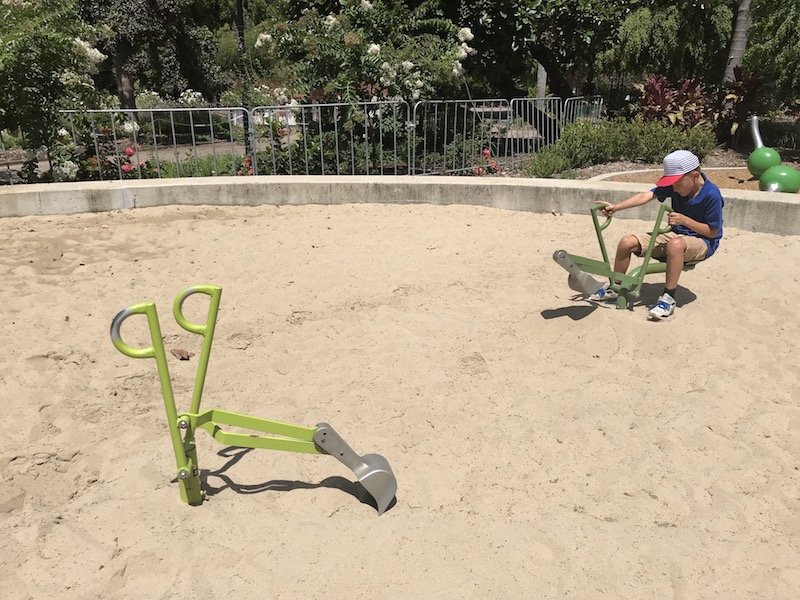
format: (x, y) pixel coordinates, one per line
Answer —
(696, 221)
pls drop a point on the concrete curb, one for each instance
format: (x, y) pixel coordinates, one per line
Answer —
(748, 210)
(658, 170)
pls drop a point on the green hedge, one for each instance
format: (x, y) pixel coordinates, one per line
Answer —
(587, 144)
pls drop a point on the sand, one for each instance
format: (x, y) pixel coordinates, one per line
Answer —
(544, 447)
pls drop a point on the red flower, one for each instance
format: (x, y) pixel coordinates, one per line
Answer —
(129, 151)
(126, 168)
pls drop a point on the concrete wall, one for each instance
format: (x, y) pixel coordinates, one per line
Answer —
(751, 211)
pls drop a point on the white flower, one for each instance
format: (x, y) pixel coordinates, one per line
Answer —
(465, 34)
(62, 132)
(130, 127)
(330, 21)
(87, 51)
(191, 98)
(467, 49)
(70, 78)
(263, 38)
(461, 53)
(458, 69)
(373, 49)
(148, 99)
(366, 4)
(66, 171)
(407, 66)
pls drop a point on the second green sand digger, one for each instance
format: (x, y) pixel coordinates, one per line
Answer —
(372, 470)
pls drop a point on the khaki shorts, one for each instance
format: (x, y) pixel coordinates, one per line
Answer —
(696, 248)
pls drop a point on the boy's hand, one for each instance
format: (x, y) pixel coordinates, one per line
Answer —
(608, 208)
(676, 218)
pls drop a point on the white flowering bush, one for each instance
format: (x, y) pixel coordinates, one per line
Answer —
(148, 99)
(65, 171)
(47, 59)
(263, 39)
(91, 56)
(368, 50)
(192, 98)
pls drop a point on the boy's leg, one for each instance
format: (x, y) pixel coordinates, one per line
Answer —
(627, 245)
(676, 249)
(680, 250)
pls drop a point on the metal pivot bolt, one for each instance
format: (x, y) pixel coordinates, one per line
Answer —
(183, 424)
(183, 474)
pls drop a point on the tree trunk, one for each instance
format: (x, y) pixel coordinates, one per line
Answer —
(127, 98)
(245, 76)
(739, 40)
(555, 76)
(541, 81)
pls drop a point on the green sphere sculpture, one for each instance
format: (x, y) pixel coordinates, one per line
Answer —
(780, 178)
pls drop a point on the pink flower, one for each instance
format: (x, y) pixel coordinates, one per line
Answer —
(126, 168)
(477, 170)
(129, 151)
(486, 153)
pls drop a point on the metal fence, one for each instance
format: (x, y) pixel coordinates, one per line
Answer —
(364, 138)
(368, 138)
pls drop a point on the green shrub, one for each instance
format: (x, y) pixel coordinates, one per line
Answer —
(10, 140)
(198, 166)
(548, 162)
(585, 144)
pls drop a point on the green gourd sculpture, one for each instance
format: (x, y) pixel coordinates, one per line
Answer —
(765, 164)
(762, 158)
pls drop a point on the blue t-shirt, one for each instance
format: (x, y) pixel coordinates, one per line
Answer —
(704, 207)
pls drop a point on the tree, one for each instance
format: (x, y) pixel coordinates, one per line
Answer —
(46, 64)
(739, 40)
(564, 36)
(678, 39)
(774, 52)
(158, 44)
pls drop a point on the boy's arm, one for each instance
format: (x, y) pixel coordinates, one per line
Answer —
(702, 229)
(713, 219)
(635, 200)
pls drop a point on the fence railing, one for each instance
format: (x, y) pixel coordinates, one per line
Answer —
(364, 138)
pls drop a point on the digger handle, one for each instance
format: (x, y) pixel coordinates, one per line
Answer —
(205, 329)
(595, 209)
(144, 308)
(177, 307)
(665, 208)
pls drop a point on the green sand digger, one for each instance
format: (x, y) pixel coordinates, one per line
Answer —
(372, 470)
(627, 285)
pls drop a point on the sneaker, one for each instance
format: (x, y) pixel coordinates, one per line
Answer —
(663, 308)
(604, 294)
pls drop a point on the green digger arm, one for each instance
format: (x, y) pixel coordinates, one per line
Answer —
(293, 438)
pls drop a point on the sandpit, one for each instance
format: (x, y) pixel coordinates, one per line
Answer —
(544, 447)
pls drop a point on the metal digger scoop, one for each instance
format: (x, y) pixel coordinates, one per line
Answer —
(372, 470)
